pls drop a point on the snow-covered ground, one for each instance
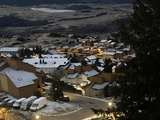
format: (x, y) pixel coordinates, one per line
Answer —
(51, 109)
(57, 108)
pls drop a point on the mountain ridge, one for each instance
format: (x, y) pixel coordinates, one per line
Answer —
(38, 2)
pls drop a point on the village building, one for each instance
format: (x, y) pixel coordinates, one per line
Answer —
(53, 64)
(19, 79)
(10, 51)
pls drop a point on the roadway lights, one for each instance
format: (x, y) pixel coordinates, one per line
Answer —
(37, 117)
(110, 104)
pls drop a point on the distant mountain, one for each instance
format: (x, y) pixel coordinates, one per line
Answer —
(123, 1)
(38, 2)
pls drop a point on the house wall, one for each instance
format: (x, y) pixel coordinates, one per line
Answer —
(13, 91)
(87, 68)
(70, 49)
(85, 79)
(39, 83)
(78, 68)
(12, 63)
(77, 50)
(25, 91)
(17, 64)
(93, 52)
(109, 76)
(97, 79)
(72, 81)
(108, 56)
(4, 83)
(47, 70)
(3, 66)
(93, 92)
(119, 55)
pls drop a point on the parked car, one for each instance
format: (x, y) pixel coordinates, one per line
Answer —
(10, 103)
(38, 104)
(65, 99)
(18, 103)
(27, 103)
(4, 102)
(2, 98)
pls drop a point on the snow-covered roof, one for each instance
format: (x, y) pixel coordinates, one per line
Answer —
(20, 78)
(72, 65)
(119, 52)
(52, 51)
(86, 49)
(48, 62)
(56, 56)
(121, 44)
(10, 49)
(101, 60)
(65, 46)
(91, 57)
(133, 55)
(89, 63)
(2, 63)
(74, 75)
(100, 86)
(79, 75)
(91, 73)
(77, 47)
(114, 84)
(109, 53)
(103, 41)
(126, 49)
(109, 41)
(100, 68)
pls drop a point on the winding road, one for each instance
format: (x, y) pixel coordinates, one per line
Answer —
(86, 103)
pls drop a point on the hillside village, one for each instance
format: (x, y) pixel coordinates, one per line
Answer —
(89, 66)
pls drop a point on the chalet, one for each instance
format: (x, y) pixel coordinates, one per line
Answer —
(119, 54)
(73, 74)
(85, 50)
(10, 50)
(78, 50)
(96, 89)
(49, 63)
(93, 51)
(108, 54)
(99, 84)
(19, 79)
(64, 49)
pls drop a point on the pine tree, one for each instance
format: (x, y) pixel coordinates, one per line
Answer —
(141, 84)
(55, 91)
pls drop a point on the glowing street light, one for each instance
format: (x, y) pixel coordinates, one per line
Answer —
(110, 104)
(37, 117)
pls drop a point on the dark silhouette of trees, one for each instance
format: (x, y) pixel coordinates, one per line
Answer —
(108, 66)
(141, 85)
(56, 91)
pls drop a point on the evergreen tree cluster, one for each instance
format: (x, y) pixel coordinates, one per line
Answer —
(26, 52)
(141, 84)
